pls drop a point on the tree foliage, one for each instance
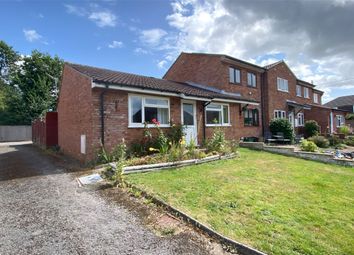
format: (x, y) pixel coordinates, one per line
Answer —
(28, 85)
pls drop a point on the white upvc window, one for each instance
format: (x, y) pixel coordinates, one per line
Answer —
(251, 80)
(145, 109)
(279, 114)
(282, 84)
(306, 93)
(298, 90)
(300, 119)
(340, 120)
(315, 98)
(234, 75)
(217, 115)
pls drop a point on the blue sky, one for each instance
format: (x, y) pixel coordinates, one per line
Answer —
(145, 37)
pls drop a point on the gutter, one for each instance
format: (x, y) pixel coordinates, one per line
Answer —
(163, 93)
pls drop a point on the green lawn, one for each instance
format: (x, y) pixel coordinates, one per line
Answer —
(277, 204)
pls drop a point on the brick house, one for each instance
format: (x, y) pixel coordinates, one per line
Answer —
(98, 105)
(281, 93)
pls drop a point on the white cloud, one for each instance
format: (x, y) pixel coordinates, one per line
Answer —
(72, 9)
(262, 32)
(152, 37)
(162, 64)
(115, 44)
(31, 35)
(140, 51)
(103, 18)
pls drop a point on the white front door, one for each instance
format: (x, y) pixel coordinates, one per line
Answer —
(291, 118)
(189, 120)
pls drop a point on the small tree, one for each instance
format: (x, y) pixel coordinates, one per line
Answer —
(311, 128)
(282, 126)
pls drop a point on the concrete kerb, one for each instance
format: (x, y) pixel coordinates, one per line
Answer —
(170, 165)
(229, 244)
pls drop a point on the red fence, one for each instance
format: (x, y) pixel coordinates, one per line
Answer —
(45, 130)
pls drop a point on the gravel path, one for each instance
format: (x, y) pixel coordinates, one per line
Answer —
(42, 211)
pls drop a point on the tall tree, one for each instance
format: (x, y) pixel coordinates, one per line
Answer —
(8, 61)
(38, 80)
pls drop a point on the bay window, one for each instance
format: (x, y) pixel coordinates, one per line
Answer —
(217, 115)
(143, 109)
(278, 114)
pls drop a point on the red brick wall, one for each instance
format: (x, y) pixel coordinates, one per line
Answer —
(321, 116)
(210, 70)
(75, 114)
(275, 99)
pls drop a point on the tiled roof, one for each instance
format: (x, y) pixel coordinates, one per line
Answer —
(273, 64)
(106, 76)
(341, 101)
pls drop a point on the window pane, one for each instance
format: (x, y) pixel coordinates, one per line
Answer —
(232, 75)
(237, 76)
(188, 118)
(160, 114)
(226, 114)
(150, 114)
(157, 102)
(135, 105)
(213, 117)
(214, 107)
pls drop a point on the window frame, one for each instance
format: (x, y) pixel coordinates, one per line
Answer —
(315, 98)
(306, 95)
(255, 80)
(143, 97)
(279, 87)
(340, 118)
(234, 69)
(282, 114)
(302, 122)
(298, 89)
(222, 124)
(255, 121)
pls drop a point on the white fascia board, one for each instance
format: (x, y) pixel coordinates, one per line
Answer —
(234, 101)
(148, 91)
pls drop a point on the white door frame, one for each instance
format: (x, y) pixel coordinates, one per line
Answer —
(193, 102)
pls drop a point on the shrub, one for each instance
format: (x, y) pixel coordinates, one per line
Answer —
(282, 126)
(311, 128)
(320, 141)
(334, 140)
(119, 152)
(176, 152)
(136, 149)
(349, 141)
(350, 116)
(176, 133)
(344, 130)
(103, 156)
(308, 146)
(217, 142)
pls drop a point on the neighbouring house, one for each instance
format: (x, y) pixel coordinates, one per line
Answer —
(99, 106)
(281, 93)
(344, 103)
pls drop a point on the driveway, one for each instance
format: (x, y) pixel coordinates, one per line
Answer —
(43, 211)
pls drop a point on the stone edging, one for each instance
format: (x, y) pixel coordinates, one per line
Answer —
(290, 151)
(231, 245)
(169, 165)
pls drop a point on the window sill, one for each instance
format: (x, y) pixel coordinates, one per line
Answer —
(283, 91)
(218, 125)
(251, 125)
(148, 126)
(235, 83)
(251, 87)
(298, 96)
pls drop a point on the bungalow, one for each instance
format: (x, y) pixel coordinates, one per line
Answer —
(99, 106)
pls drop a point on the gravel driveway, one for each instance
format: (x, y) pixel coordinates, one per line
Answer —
(42, 211)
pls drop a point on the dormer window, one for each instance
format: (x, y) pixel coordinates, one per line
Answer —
(235, 75)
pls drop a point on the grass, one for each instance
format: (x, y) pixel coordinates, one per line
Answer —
(277, 204)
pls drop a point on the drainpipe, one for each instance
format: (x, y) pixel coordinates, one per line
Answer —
(263, 108)
(102, 113)
(204, 128)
